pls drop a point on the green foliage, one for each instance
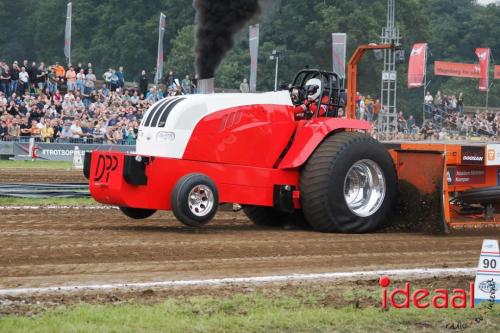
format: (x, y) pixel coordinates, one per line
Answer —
(113, 32)
(246, 313)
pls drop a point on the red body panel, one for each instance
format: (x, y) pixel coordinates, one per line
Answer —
(310, 133)
(238, 148)
(252, 135)
(242, 184)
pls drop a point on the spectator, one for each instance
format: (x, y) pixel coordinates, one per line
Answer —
(460, 104)
(14, 77)
(71, 79)
(90, 80)
(5, 81)
(121, 77)
(114, 81)
(107, 77)
(80, 79)
(429, 101)
(244, 87)
(143, 83)
(4, 131)
(186, 85)
(41, 76)
(23, 81)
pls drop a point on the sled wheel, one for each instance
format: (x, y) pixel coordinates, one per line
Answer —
(270, 217)
(348, 184)
(137, 213)
(194, 200)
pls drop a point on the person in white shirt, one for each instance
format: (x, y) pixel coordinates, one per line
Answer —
(24, 79)
(76, 130)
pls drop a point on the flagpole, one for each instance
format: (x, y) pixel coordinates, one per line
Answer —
(425, 85)
(69, 45)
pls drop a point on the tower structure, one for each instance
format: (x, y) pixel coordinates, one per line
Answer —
(387, 121)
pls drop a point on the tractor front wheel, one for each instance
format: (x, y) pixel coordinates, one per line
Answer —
(137, 213)
(348, 185)
(195, 200)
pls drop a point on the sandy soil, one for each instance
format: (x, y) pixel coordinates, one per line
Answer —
(53, 247)
(13, 175)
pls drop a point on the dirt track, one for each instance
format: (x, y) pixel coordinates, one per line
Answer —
(52, 247)
(17, 175)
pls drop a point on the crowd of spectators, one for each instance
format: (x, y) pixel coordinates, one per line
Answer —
(69, 104)
(445, 120)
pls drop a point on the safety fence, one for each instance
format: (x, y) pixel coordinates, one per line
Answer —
(54, 151)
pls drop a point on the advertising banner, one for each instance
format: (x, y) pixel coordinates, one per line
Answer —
(417, 66)
(445, 68)
(466, 175)
(65, 151)
(483, 55)
(473, 155)
(159, 59)
(254, 55)
(339, 43)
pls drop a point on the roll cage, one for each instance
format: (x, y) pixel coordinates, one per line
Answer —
(332, 96)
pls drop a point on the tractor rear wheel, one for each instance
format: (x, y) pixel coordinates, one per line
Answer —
(271, 217)
(348, 185)
(195, 200)
(137, 213)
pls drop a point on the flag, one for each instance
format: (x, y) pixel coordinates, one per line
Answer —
(484, 64)
(339, 41)
(457, 69)
(497, 72)
(67, 33)
(417, 66)
(254, 55)
(159, 60)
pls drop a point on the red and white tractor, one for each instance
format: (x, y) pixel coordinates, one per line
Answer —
(196, 152)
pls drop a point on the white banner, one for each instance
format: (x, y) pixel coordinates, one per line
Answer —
(159, 60)
(254, 56)
(339, 43)
(67, 33)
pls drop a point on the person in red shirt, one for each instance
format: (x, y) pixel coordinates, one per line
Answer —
(309, 107)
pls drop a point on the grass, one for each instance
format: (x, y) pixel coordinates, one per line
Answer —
(6, 164)
(8, 201)
(247, 313)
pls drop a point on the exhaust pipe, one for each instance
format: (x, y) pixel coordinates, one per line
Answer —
(206, 86)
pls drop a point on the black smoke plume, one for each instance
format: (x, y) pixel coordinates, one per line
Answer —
(217, 21)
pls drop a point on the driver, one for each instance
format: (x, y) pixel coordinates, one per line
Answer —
(309, 106)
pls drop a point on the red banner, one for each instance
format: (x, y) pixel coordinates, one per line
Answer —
(497, 72)
(457, 69)
(483, 55)
(417, 66)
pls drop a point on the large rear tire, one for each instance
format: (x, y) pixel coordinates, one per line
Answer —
(137, 213)
(348, 185)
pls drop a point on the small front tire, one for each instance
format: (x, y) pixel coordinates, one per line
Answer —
(194, 200)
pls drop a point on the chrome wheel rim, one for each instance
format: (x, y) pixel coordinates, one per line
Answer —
(364, 188)
(201, 200)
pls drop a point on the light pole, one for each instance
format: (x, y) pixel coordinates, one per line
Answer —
(275, 55)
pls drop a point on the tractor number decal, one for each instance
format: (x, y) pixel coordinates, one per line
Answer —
(105, 165)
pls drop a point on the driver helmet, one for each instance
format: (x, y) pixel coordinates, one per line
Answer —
(313, 89)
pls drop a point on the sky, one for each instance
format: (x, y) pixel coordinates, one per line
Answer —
(485, 2)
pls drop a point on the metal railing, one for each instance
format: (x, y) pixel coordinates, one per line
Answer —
(85, 140)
